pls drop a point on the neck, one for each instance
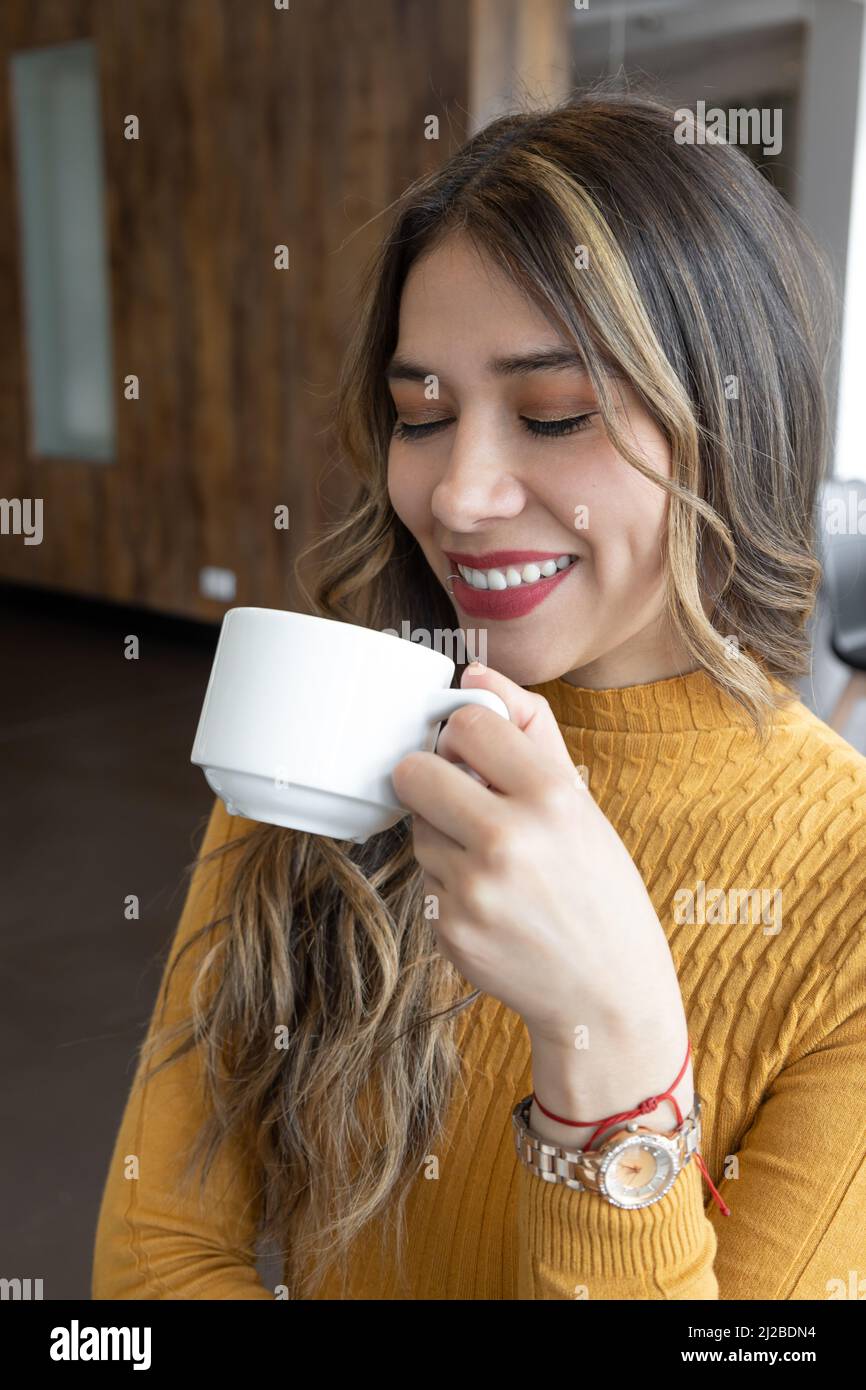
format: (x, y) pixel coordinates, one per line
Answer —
(650, 656)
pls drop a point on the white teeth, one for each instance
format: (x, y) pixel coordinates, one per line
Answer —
(510, 577)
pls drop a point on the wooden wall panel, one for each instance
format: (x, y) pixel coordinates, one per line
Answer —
(258, 126)
(521, 56)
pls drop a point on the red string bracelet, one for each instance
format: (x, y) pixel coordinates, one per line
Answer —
(651, 1103)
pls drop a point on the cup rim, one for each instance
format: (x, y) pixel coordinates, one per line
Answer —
(344, 626)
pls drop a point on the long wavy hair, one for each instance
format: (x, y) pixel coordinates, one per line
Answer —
(702, 288)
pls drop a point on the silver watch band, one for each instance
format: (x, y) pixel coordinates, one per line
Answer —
(579, 1168)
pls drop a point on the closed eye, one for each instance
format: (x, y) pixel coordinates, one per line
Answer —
(542, 428)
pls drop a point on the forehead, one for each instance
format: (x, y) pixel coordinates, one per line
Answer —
(456, 279)
(462, 313)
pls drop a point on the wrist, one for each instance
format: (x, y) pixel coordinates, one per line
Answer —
(593, 1084)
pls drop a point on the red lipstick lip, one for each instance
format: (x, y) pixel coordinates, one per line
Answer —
(492, 559)
(507, 603)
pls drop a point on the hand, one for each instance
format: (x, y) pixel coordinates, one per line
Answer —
(540, 903)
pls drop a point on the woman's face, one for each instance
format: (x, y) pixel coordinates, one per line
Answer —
(486, 479)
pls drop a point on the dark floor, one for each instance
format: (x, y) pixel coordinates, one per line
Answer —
(102, 801)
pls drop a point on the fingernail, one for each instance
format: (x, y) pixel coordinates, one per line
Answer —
(478, 665)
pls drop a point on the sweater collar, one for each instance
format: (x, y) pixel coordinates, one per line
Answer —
(692, 700)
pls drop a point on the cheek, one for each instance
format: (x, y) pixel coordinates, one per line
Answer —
(624, 531)
(406, 492)
(626, 502)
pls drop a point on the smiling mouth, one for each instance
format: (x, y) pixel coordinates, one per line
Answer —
(515, 576)
(513, 587)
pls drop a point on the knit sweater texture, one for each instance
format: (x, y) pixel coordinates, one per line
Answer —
(755, 862)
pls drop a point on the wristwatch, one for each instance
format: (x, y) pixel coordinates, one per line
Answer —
(632, 1169)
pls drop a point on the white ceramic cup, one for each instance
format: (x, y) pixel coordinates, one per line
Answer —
(305, 718)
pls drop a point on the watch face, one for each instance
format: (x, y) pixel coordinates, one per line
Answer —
(637, 1171)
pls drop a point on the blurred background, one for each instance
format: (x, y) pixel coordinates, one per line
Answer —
(189, 190)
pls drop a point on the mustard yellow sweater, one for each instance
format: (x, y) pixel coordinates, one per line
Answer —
(775, 998)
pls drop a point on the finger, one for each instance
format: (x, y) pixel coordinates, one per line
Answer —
(503, 754)
(529, 712)
(452, 802)
(439, 855)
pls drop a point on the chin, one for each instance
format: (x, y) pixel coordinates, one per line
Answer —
(526, 668)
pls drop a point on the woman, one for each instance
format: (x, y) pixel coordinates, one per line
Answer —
(583, 345)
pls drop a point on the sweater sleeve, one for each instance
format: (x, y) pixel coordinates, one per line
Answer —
(796, 1192)
(151, 1242)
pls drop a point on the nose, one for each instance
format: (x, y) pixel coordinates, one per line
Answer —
(478, 483)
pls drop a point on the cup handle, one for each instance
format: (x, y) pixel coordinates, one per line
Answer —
(445, 702)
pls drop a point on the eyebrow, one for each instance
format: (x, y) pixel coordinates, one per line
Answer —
(544, 360)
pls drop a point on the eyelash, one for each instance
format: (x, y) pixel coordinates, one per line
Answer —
(542, 429)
